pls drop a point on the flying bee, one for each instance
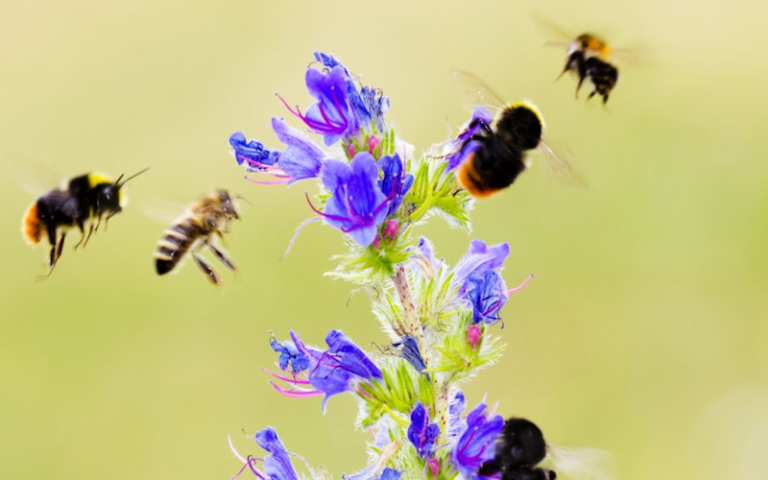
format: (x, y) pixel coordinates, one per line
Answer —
(82, 202)
(207, 217)
(521, 447)
(492, 150)
(589, 57)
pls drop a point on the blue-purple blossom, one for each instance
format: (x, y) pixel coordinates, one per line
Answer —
(410, 351)
(477, 443)
(421, 433)
(487, 294)
(290, 356)
(395, 180)
(456, 424)
(302, 158)
(258, 157)
(357, 206)
(479, 259)
(462, 146)
(371, 473)
(332, 115)
(333, 371)
(277, 464)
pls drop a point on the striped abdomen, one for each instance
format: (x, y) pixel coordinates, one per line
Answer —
(174, 244)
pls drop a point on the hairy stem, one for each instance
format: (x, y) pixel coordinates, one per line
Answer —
(400, 279)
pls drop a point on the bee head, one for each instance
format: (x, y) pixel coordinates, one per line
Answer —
(523, 125)
(521, 444)
(228, 204)
(110, 198)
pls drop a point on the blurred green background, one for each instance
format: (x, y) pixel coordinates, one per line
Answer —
(643, 333)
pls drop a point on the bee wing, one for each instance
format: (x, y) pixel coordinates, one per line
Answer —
(556, 35)
(33, 174)
(580, 463)
(632, 55)
(160, 209)
(475, 93)
(557, 161)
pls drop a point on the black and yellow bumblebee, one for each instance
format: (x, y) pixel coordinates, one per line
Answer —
(589, 57)
(520, 448)
(492, 149)
(83, 202)
(206, 218)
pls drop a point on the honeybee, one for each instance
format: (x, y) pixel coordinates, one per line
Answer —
(521, 447)
(207, 217)
(82, 202)
(492, 150)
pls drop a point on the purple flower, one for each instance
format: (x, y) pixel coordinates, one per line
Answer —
(290, 355)
(394, 180)
(462, 145)
(477, 443)
(456, 424)
(258, 157)
(479, 259)
(411, 353)
(302, 158)
(334, 371)
(332, 115)
(421, 433)
(357, 206)
(371, 473)
(277, 464)
(487, 294)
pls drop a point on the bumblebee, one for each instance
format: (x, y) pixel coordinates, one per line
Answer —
(589, 57)
(206, 218)
(520, 448)
(83, 202)
(492, 151)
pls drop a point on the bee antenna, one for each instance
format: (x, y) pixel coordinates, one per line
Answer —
(129, 178)
(240, 197)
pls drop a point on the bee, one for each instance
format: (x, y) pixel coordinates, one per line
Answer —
(207, 217)
(492, 150)
(589, 57)
(82, 202)
(521, 447)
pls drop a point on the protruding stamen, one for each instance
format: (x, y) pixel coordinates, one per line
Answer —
(295, 393)
(296, 234)
(522, 285)
(294, 380)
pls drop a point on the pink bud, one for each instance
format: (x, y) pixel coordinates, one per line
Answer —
(390, 230)
(376, 242)
(373, 142)
(473, 335)
(350, 150)
(434, 466)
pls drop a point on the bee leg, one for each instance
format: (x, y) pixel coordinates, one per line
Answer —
(90, 232)
(98, 223)
(60, 246)
(220, 255)
(81, 227)
(207, 270)
(106, 220)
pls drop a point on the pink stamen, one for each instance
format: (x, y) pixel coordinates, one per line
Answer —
(331, 217)
(294, 380)
(268, 182)
(310, 123)
(258, 164)
(496, 306)
(279, 175)
(522, 285)
(295, 393)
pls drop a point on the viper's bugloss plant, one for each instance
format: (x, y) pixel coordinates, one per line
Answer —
(443, 322)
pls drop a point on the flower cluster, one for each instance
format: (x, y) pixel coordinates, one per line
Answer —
(440, 320)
